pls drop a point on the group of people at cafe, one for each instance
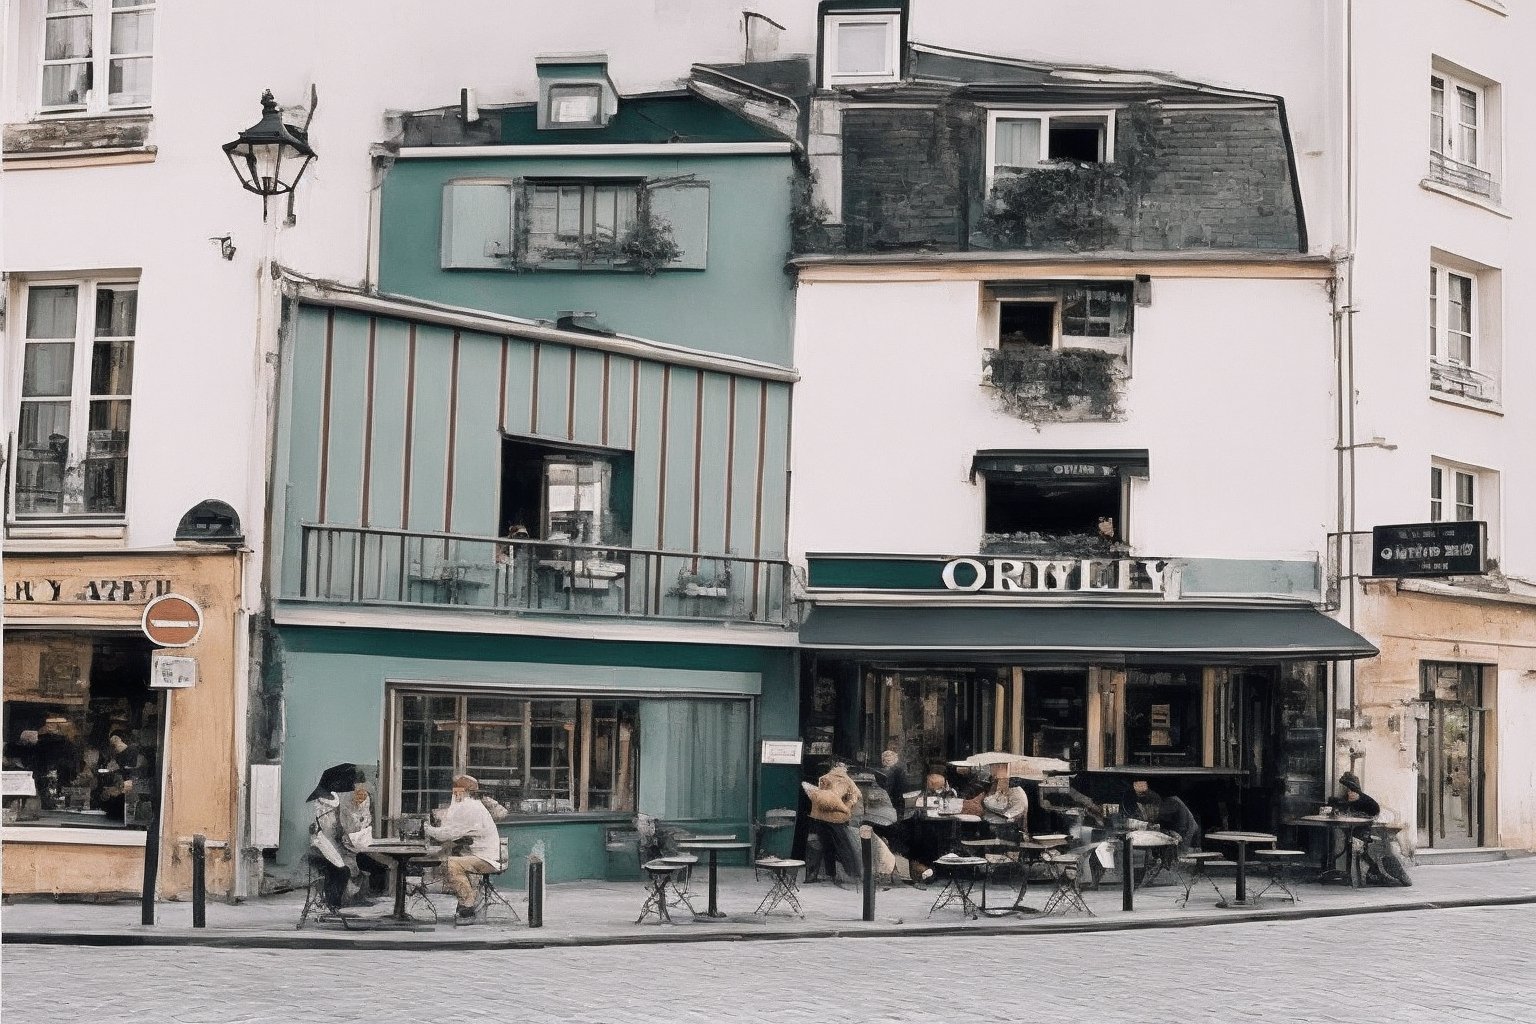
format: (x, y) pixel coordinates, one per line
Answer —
(341, 831)
(990, 795)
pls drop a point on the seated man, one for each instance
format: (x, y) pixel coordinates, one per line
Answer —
(467, 822)
(1005, 800)
(1354, 801)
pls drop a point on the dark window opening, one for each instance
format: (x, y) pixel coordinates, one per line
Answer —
(1083, 143)
(1026, 323)
(1163, 715)
(1053, 508)
(556, 492)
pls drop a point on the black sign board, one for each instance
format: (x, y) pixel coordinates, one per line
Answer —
(1430, 549)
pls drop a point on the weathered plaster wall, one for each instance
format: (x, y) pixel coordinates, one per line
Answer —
(1411, 628)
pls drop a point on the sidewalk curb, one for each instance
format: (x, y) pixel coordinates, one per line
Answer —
(329, 940)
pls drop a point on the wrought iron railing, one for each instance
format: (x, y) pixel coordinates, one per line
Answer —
(1467, 177)
(374, 566)
(1462, 381)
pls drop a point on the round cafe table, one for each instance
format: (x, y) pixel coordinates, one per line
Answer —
(1347, 824)
(713, 846)
(1241, 840)
(399, 855)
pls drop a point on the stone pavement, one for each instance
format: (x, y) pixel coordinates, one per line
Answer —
(1459, 966)
(601, 913)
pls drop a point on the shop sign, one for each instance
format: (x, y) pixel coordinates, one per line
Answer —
(172, 621)
(1053, 575)
(1430, 549)
(782, 751)
(88, 590)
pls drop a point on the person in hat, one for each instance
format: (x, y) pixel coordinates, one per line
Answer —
(1354, 801)
(341, 825)
(468, 826)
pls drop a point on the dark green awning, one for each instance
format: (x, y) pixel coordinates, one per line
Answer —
(1083, 635)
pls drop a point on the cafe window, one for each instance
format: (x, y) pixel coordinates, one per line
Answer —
(1164, 717)
(552, 755)
(1055, 507)
(81, 718)
(561, 492)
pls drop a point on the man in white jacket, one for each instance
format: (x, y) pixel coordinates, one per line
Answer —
(467, 819)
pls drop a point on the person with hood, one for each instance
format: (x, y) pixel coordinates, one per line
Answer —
(341, 825)
(1354, 801)
(834, 799)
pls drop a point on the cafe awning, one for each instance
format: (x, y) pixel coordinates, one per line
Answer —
(1085, 635)
(1060, 463)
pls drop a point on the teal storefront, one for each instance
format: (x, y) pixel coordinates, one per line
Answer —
(572, 737)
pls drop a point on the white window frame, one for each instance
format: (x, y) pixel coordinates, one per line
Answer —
(832, 23)
(98, 101)
(80, 396)
(1452, 128)
(1445, 492)
(555, 88)
(1107, 146)
(1440, 329)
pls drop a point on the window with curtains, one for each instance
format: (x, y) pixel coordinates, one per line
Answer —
(75, 394)
(98, 55)
(571, 755)
(1019, 140)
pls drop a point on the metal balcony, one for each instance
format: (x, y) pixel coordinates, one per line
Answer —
(1462, 381)
(370, 566)
(1466, 177)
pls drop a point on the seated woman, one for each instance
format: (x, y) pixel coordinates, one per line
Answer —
(341, 825)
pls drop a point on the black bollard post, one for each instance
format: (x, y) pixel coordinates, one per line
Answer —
(199, 881)
(1127, 874)
(535, 893)
(867, 870)
(151, 871)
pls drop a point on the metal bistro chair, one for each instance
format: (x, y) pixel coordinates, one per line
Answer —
(1280, 864)
(315, 906)
(1066, 869)
(1194, 867)
(490, 896)
(659, 875)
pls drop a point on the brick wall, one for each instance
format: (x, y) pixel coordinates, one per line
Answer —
(913, 178)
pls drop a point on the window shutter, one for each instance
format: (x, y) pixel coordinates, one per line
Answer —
(477, 225)
(685, 206)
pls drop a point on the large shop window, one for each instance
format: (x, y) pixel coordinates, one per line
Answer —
(75, 397)
(574, 755)
(1164, 716)
(80, 716)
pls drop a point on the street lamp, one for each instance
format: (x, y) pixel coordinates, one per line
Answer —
(270, 157)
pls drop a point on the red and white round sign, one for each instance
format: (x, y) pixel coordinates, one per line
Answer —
(172, 621)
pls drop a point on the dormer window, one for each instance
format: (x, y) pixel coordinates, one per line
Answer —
(575, 91)
(1020, 140)
(575, 105)
(860, 48)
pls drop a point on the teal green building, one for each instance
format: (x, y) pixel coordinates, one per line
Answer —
(531, 492)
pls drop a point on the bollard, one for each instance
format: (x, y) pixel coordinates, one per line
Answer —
(1127, 874)
(199, 880)
(535, 893)
(151, 871)
(867, 869)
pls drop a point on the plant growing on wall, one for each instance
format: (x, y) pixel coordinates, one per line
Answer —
(1063, 203)
(1040, 384)
(808, 216)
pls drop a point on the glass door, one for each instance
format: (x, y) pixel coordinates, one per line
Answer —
(1450, 757)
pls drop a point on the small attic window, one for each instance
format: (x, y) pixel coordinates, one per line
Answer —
(575, 105)
(860, 48)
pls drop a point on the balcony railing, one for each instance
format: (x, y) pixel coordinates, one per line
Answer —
(1462, 381)
(358, 565)
(1467, 177)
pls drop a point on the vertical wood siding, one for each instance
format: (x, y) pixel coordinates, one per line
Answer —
(394, 424)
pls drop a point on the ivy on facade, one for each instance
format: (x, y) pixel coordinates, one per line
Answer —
(1040, 384)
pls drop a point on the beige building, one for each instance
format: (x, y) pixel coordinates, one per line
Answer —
(112, 751)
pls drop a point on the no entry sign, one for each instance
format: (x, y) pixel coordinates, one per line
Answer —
(172, 621)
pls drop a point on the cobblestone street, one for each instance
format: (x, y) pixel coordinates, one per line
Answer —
(1438, 965)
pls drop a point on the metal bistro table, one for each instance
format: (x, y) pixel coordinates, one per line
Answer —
(400, 855)
(1241, 841)
(714, 846)
(1346, 823)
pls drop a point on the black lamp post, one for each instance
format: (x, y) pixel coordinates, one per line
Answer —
(270, 157)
